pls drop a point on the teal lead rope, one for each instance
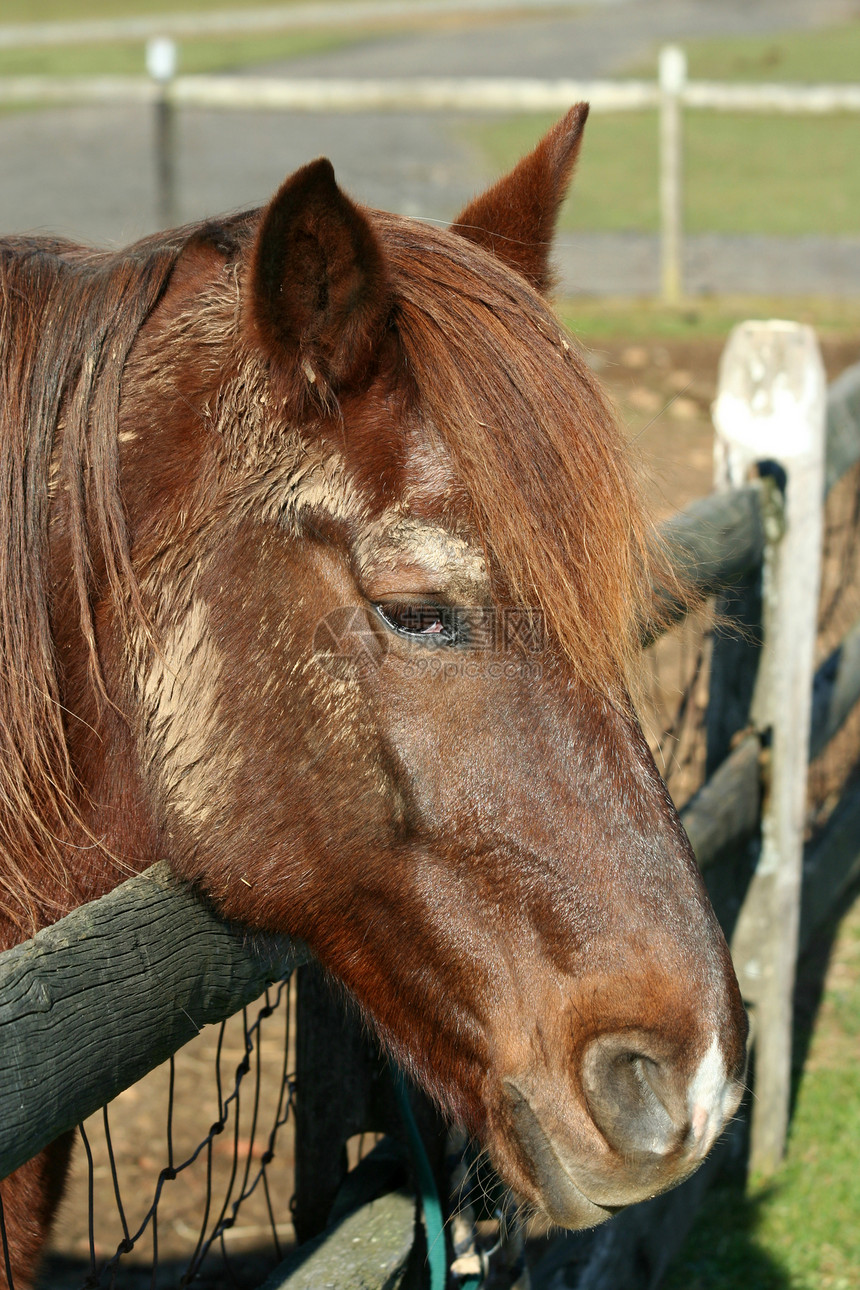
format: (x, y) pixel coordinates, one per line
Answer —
(430, 1207)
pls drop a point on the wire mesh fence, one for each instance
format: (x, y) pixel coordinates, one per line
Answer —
(673, 695)
(673, 702)
(187, 1176)
(837, 766)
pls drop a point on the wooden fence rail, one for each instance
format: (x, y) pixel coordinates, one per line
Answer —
(94, 1002)
(110, 991)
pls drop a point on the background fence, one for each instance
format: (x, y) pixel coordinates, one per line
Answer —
(671, 93)
(136, 974)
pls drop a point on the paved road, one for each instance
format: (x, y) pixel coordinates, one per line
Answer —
(87, 172)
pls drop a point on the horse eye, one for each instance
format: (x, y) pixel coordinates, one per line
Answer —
(435, 622)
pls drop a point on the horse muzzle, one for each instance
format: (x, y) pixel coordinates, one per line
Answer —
(634, 1125)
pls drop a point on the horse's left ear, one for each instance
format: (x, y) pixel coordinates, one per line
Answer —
(516, 218)
(318, 282)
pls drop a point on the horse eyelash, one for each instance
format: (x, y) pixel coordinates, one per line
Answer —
(452, 632)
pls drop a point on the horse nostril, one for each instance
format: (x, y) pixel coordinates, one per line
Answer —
(634, 1097)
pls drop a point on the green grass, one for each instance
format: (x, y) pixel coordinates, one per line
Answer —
(830, 54)
(214, 54)
(30, 11)
(203, 54)
(744, 173)
(621, 318)
(800, 1231)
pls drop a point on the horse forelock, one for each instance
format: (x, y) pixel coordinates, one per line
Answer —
(531, 441)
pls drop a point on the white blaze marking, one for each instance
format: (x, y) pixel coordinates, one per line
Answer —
(709, 1097)
(180, 705)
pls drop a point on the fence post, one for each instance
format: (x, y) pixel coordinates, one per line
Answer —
(161, 61)
(770, 416)
(672, 78)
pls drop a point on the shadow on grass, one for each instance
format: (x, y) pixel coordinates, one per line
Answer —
(811, 979)
(721, 1252)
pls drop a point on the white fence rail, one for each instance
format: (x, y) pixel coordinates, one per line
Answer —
(417, 94)
(324, 13)
(424, 93)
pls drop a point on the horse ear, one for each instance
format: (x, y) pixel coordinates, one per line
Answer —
(516, 218)
(319, 285)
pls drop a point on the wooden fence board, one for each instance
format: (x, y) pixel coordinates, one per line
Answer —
(109, 993)
(370, 1248)
(727, 809)
(343, 1087)
(830, 866)
(835, 691)
(717, 539)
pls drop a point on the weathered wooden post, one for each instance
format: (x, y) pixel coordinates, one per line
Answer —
(161, 62)
(672, 78)
(770, 420)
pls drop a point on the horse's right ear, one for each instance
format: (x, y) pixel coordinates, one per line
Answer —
(319, 293)
(516, 218)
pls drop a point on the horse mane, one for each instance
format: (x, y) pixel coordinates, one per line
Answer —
(534, 445)
(68, 318)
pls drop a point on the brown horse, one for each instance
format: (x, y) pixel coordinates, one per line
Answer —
(219, 447)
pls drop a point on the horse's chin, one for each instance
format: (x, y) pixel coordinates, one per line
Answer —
(544, 1182)
(562, 1204)
(551, 1196)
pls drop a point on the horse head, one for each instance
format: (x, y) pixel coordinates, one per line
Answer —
(367, 683)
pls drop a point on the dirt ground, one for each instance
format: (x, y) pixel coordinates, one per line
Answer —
(663, 393)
